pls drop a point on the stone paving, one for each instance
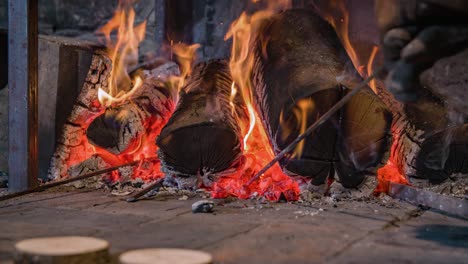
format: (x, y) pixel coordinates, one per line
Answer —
(321, 231)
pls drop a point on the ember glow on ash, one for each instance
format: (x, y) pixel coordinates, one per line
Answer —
(370, 67)
(387, 174)
(257, 149)
(122, 39)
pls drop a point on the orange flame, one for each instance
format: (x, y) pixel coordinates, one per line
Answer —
(186, 55)
(232, 97)
(340, 21)
(123, 52)
(242, 31)
(304, 107)
(257, 149)
(370, 66)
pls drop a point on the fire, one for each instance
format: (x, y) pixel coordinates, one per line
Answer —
(122, 49)
(340, 21)
(257, 149)
(232, 97)
(186, 55)
(123, 52)
(304, 107)
(387, 174)
(370, 66)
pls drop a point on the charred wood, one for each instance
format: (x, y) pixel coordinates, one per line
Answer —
(203, 135)
(299, 55)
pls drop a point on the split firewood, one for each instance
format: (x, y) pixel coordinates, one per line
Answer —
(86, 108)
(203, 136)
(298, 54)
(62, 250)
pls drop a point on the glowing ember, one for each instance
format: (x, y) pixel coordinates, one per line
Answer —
(257, 149)
(387, 174)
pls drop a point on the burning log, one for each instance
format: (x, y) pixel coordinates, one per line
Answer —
(298, 54)
(149, 107)
(429, 136)
(120, 129)
(203, 135)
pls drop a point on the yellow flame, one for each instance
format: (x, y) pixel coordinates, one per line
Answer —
(185, 55)
(242, 32)
(304, 107)
(340, 21)
(370, 66)
(233, 97)
(123, 52)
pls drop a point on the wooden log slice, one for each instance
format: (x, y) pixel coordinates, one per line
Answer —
(63, 250)
(203, 135)
(165, 256)
(299, 57)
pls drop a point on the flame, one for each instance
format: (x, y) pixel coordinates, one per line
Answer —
(232, 98)
(186, 55)
(257, 149)
(370, 66)
(340, 21)
(242, 31)
(304, 107)
(123, 53)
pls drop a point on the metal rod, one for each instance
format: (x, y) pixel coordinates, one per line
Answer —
(22, 85)
(154, 185)
(448, 204)
(317, 124)
(59, 183)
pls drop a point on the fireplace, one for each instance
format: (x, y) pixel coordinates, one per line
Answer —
(141, 97)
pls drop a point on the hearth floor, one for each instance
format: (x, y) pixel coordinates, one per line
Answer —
(239, 231)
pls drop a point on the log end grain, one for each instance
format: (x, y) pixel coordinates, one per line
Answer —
(66, 249)
(165, 256)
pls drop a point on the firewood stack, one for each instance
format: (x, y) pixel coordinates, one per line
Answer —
(300, 71)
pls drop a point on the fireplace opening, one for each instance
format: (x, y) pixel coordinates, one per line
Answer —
(302, 102)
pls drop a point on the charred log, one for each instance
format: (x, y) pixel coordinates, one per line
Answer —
(299, 55)
(151, 102)
(119, 129)
(203, 135)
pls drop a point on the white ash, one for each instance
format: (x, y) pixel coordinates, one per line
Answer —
(363, 191)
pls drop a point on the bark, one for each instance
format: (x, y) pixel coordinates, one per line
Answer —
(299, 57)
(203, 135)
